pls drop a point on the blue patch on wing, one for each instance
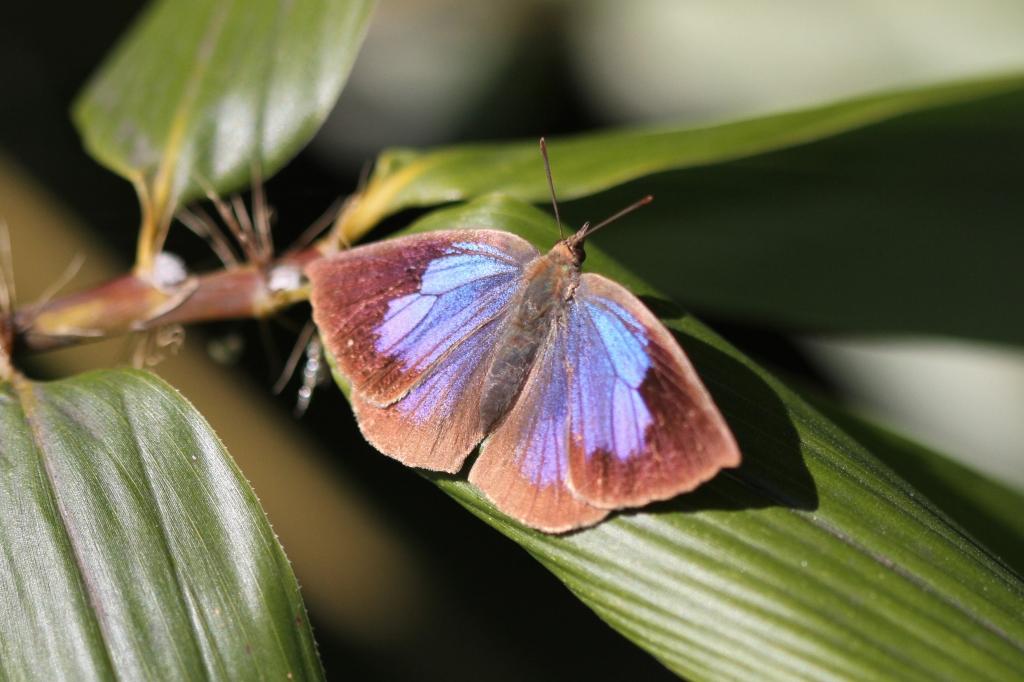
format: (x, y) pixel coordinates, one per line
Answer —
(402, 317)
(451, 272)
(607, 350)
(458, 292)
(541, 450)
(438, 395)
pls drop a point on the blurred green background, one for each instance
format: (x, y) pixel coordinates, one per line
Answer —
(880, 268)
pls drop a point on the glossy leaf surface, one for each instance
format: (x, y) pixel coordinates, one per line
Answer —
(812, 560)
(132, 547)
(593, 162)
(203, 92)
(907, 227)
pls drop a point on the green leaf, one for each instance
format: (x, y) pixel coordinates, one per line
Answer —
(203, 90)
(590, 163)
(813, 560)
(909, 227)
(130, 545)
(988, 510)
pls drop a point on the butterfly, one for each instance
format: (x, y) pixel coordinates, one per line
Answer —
(580, 400)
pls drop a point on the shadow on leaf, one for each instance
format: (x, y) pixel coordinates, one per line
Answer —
(773, 473)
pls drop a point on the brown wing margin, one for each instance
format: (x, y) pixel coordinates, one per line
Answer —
(685, 440)
(351, 292)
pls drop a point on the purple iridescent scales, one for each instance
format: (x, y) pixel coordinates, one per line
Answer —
(644, 427)
(410, 322)
(608, 351)
(466, 285)
(524, 465)
(610, 413)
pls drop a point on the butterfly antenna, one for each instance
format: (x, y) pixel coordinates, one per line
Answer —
(551, 185)
(586, 230)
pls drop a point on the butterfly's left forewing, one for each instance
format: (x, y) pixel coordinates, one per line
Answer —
(390, 311)
(411, 322)
(642, 425)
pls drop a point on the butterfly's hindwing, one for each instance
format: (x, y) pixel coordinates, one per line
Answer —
(437, 423)
(523, 466)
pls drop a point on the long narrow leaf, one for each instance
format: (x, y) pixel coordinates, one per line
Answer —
(908, 227)
(813, 560)
(593, 162)
(130, 545)
(987, 509)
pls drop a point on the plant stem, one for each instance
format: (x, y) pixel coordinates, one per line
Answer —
(6, 344)
(133, 303)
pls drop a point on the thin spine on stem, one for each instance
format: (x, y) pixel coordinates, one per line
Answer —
(319, 226)
(7, 290)
(261, 214)
(292, 363)
(7, 301)
(253, 239)
(199, 222)
(313, 374)
(65, 278)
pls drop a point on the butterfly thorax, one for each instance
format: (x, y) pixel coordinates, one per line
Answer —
(548, 282)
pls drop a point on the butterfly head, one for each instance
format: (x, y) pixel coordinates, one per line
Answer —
(572, 247)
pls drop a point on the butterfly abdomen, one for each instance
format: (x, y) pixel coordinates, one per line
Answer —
(533, 310)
